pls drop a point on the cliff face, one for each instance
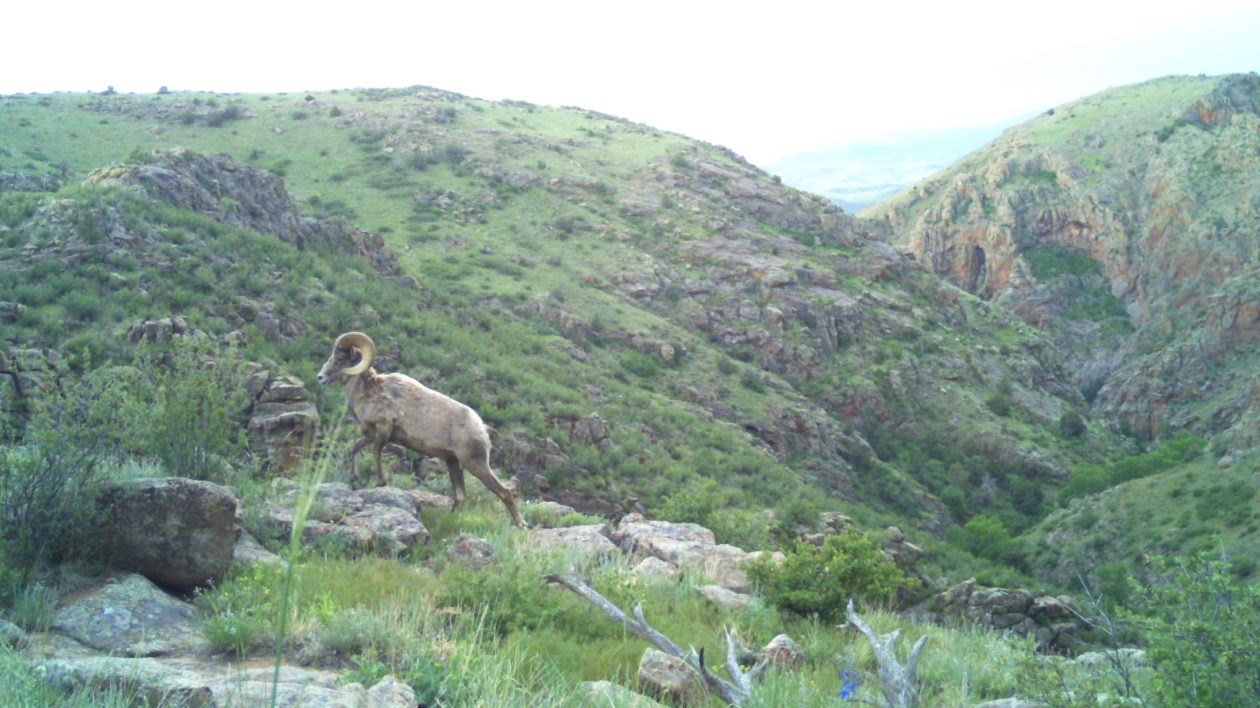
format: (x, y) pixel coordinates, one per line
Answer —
(1125, 226)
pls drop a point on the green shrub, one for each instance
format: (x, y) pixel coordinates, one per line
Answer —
(1201, 630)
(983, 536)
(820, 580)
(1071, 424)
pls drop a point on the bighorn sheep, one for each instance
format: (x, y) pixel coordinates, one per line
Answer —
(395, 408)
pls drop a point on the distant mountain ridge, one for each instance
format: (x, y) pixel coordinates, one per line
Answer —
(856, 176)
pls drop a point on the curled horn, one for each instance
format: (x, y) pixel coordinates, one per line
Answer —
(362, 342)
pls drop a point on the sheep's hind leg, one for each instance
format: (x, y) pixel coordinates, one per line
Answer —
(457, 481)
(481, 470)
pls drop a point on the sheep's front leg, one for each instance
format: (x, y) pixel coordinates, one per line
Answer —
(354, 451)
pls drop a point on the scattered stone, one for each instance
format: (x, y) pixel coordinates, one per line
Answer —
(1052, 620)
(384, 519)
(783, 653)
(669, 677)
(474, 551)
(130, 616)
(177, 532)
(389, 692)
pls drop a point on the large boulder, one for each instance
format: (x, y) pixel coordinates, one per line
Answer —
(130, 616)
(176, 532)
(283, 420)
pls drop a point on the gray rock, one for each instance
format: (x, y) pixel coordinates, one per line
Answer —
(249, 552)
(196, 683)
(130, 616)
(1011, 703)
(473, 551)
(588, 540)
(174, 531)
(653, 567)
(724, 597)
(389, 692)
(669, 678)
(603, 694)
(783, 653)
(12, 635)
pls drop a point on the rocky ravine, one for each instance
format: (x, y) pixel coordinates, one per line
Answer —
(1124, 225)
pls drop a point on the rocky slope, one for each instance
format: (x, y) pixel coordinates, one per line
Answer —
(1124, 226)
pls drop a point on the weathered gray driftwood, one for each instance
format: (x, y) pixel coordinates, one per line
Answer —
(736, 693)
(897, 682)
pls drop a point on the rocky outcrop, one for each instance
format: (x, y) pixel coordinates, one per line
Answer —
(384, 519)
(685, 547)
(1053, 621)
(783, 653)
(176, 532)
(283, 421)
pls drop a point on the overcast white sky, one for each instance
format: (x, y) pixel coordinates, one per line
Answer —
(767, 79)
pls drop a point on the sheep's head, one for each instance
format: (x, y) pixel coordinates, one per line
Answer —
(352, 354)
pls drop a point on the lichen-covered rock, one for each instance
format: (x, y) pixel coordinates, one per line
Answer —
(130, 616)
(669, 678)
(473, 551)
(176, 532)
(783, 653)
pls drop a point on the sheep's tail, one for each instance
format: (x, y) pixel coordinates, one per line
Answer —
(492, 431)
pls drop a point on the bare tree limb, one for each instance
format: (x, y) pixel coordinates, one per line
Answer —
(735, 694)
(897, 682)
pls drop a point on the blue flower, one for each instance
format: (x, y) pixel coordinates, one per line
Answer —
(849, 683)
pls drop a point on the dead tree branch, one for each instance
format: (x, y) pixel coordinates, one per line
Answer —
(735, 694)
(897, 682)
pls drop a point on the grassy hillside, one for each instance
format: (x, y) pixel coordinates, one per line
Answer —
(564, 263)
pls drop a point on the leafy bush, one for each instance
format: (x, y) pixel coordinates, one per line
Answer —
(1072, 424)
(820, 580)
(1201, 629)
(983, 536)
